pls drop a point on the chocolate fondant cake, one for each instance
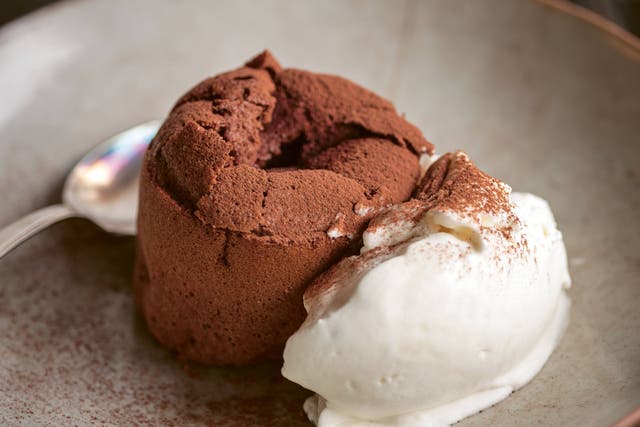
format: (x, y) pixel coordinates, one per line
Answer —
(260, 179)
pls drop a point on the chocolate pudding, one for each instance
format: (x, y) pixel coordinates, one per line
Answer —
(259, 180)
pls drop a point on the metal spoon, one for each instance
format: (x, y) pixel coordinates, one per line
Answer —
(102, 187)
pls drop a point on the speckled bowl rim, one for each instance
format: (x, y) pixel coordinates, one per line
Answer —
(603, 24)
(631, 42)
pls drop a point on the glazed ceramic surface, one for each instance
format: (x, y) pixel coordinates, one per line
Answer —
(540, 99)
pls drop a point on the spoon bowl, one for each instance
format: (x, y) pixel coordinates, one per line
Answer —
(102, 187)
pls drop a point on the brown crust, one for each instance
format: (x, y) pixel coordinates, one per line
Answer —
(256, 183)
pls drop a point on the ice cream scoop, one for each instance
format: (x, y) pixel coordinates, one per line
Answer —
(456, 300)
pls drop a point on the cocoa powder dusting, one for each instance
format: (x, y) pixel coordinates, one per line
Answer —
(455, 184)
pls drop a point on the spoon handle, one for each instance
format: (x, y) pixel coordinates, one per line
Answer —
(19, 231)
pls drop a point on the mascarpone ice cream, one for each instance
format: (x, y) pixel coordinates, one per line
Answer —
(456, 299)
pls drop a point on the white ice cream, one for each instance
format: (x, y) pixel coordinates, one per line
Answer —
(447, 322)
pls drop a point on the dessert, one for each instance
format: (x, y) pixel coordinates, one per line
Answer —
(431, 291)
(260, 179)
(456, 299)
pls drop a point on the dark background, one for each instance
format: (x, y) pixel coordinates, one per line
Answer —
(625, 13)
